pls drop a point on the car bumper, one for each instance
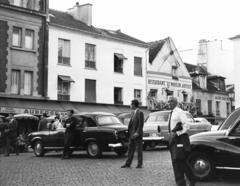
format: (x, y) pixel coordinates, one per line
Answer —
(115, 145)
(153, 138)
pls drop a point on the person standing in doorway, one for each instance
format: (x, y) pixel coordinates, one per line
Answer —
(179, 144)
(135, 131)
(70, 126)
(11, 136)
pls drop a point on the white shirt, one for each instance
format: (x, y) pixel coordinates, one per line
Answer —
(178, 115)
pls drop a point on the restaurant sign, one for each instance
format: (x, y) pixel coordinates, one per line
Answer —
(224, 98)
(32, 111)
(168, 83)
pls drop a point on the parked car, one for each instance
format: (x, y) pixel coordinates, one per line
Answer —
(216, 149)
(156, 130)
(100, 132)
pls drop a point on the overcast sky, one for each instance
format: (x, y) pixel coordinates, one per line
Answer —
(186, 21)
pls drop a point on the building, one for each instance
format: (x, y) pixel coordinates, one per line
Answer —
(89, 65)
(209, 93)
(23, 53)
(215, 55)
(236, 48)
(166, 75)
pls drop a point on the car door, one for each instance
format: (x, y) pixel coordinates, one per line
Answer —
(232, 149)
(89, 131)
(56, 138)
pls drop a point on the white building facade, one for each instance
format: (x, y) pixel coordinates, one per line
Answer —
(167, 74)
(92, 65)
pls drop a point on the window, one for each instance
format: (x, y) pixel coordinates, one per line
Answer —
(236, 130)
(198, 105)
(174, 72)
(209, 107)
(137, 66)
(202, 82)
(138, 95)
(118, 62)
(185, 98)
(217, 108)
(153, 93)
(29, 39)
(28, 82)
(63, 51)
(64, 88)
(17, 37)
(18, 2)
(90, 60)
(228, 108)
(90, 90)
(15, 82)
(118, 95)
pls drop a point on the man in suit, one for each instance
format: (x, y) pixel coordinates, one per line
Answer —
(135, 131)
(10, 134)
(179, 144)
(43, 122)
(70, 126)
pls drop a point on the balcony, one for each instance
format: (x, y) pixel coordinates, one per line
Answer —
(62, 97)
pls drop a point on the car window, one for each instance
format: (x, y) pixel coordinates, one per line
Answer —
(236, 130)
(230, 120)
(89, 122)
(108, 120)
(158, 117)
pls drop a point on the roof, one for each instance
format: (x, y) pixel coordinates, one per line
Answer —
(215, 77)
(59, 18)
(235, 37)
(195, 69)
(154, 48)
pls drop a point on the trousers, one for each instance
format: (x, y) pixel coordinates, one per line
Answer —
(133, 144)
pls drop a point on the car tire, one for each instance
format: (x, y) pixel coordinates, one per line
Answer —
(121, 151)
(38, 148)
(93, 149)
(201, 165)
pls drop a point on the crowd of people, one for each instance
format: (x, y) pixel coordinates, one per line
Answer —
(179, 144)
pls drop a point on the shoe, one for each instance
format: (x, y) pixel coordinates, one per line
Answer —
(125, 166)
(138, 166)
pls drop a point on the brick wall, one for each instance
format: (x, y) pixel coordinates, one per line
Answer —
(3, 54)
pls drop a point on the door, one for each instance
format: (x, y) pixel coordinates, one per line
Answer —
(56, 138)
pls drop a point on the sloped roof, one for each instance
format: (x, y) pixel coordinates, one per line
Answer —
(59, 18)
(154, 48)
(195, 69)
(235, 37)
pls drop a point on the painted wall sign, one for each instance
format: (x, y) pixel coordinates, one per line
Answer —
(224, 98)
(167, 83)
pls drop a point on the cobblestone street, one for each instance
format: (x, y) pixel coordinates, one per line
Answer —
(26, 169)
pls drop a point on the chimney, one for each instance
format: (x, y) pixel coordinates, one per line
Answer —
(82, 13)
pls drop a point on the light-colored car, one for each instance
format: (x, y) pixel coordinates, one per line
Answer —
(156, 130)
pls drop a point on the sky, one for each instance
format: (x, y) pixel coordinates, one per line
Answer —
(186, 21)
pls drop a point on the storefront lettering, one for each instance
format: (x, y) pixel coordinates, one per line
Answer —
(224, 98)
(167, 83)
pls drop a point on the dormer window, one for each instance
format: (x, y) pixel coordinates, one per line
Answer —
(174, 72)
(203, 81)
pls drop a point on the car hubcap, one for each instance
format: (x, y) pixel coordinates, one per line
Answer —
(201, 167)
(38, 148)
(93, 149)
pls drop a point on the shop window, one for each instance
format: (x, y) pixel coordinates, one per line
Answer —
(28, 83)
(90, 90)
(90, 61)
(137, 66)
(153, 93)
(64, 51)
(17, 37)
(118, 62)
(185, 97)
(174, 72)
(15, 82)
(29, 39)
(199, 106)
(217, 108)
(138, 95)
(64, 87)
(118, 95)
(209, 107)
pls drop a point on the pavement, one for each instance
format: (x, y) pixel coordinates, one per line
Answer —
(28, 170)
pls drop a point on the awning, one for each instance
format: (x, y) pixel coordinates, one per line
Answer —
(120, 56)
(66, 78)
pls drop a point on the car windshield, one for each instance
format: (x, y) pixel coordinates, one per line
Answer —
(108, 120)
(230, 120)
(158, 117)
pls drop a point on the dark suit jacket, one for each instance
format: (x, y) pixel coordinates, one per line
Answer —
(73, 122)
(136, 125)
(12, 128)
(43, 124)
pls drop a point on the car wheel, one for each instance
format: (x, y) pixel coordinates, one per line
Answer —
(201, 165)
(38, 148)
(121, 152)
(93, 150)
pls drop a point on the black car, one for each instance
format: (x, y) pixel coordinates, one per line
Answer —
(99, 132)
(216, 149)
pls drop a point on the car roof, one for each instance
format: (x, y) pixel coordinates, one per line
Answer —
(157, 112)
(94, 114)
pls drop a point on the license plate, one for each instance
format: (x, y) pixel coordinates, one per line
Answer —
(154, 135)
